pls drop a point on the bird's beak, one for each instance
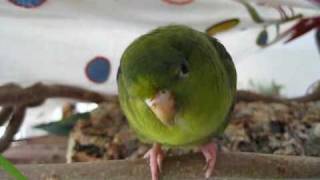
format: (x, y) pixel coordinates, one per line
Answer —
(163, 106)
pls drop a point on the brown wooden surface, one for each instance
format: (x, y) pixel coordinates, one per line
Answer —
(46, 149)
(229, 166)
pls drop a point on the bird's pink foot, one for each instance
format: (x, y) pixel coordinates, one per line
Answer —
(155, 155)
(210, 153)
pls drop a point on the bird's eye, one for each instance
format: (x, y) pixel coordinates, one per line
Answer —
(184, 70)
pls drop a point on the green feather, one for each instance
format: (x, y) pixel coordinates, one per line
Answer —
(203, 98)
(64, 126)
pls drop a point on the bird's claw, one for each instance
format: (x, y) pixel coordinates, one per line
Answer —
(155, 155)
(210, 153)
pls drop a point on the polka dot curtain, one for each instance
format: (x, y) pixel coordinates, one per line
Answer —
(80, 42)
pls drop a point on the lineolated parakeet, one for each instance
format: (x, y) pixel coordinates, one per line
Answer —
(177, 87)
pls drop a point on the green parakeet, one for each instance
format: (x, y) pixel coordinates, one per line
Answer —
(177, 87)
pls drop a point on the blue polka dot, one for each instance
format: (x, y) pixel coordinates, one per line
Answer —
(98, 69)
(28, 3)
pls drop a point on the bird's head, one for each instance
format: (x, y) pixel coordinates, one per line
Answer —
(157, 75)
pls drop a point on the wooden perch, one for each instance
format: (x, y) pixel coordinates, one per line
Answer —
(190, 167)
(44, 149)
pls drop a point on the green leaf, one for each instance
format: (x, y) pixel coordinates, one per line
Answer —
(64, 126)
(11, 169)
(262, 39)
(222, 26)
(253, 13)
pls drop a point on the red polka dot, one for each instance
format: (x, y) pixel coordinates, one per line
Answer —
(178, 2)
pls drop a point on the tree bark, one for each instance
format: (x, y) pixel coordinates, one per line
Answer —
(188, 167)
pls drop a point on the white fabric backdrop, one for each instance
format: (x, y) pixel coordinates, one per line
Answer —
(54, 42)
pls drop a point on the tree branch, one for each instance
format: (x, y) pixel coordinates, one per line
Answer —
(190, 167)
(5, 114)
(40, 92)
(248, 96)
(12, 128)
(315, 96)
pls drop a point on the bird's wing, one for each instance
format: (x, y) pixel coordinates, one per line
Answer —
(232, 76)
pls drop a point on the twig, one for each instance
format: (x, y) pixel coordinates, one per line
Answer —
(5, 114)
(13, 127)
(189, 167)
(315, 96)
(40, 92)
(248, 96)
